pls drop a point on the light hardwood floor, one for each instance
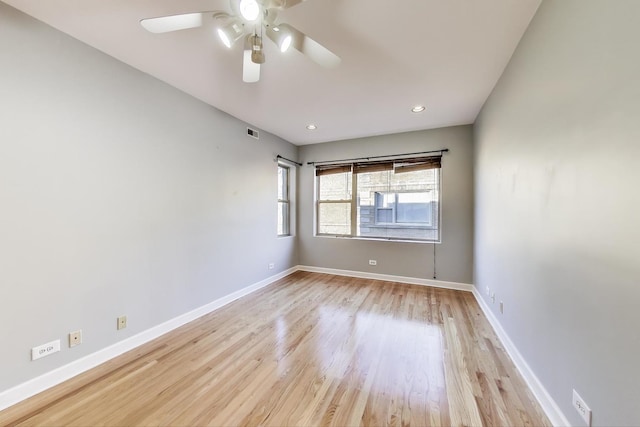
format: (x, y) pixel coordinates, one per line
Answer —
(309, 350)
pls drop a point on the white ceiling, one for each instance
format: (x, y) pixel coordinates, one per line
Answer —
(446, 54)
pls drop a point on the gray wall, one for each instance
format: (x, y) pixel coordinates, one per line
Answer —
(118, 195)
(454, 254)
(557, 204)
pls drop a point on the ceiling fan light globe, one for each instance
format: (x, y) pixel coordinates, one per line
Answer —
(224, 38)
(230, 34)
(286, 43)
(249, 9)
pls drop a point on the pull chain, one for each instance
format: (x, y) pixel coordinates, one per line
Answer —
(434, 260)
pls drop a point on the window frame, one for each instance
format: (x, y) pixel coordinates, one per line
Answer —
(319, 202)
(436, 213)
(285, 201)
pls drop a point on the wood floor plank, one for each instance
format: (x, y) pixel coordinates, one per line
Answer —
(309, 350)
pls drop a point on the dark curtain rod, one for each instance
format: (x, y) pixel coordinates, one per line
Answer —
(288, 160)
(445, 150)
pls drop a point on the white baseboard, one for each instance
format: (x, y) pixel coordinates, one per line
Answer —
(43, 382)
(549, 406)
(410, 280)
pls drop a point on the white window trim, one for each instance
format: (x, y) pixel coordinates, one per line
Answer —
(286, 201)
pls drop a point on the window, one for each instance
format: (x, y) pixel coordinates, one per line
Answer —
(393, 200)
(283, 201)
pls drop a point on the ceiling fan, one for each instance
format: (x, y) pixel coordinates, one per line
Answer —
(249, 20)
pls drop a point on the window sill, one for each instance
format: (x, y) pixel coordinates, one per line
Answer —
(398, 226)
(377, 239)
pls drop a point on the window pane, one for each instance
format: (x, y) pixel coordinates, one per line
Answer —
(334, 218)
(283, 218)
(334, 186)
(283, 201)
(414, 208)
(283, 183)
(398, 206)
(416, 180)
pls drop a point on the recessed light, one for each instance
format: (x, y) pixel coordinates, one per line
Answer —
(312, 127)
(418, 109)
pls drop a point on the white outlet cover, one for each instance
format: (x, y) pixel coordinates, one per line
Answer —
(581, 408)
(45, 350)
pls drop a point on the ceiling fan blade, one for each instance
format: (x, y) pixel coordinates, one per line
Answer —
(250, 70)
(305, 44)
(165, 24)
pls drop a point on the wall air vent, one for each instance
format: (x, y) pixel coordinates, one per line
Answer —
(253, 133)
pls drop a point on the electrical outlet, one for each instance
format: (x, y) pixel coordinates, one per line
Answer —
(493, 297)
(501, 307)
(373, 262)
(271, 266)
(582, 408)
(45, 350)
(75, 338)
(488, 291)
(122, 322)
